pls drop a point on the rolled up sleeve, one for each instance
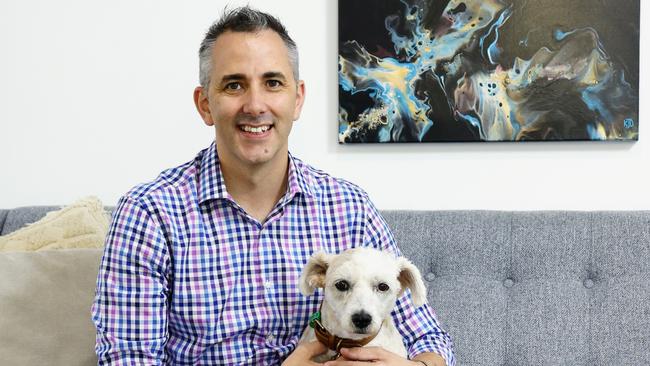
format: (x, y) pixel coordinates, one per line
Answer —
(130, 305)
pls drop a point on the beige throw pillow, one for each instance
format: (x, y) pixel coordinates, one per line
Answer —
(45, 301)
(83, 224)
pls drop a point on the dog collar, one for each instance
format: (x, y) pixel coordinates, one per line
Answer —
(334, 342)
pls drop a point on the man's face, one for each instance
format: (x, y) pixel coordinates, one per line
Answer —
(253, 98)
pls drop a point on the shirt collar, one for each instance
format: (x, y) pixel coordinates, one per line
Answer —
(213, 186)
(211, 182)
(297, 179)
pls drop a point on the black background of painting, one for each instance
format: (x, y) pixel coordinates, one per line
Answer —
(616, 21)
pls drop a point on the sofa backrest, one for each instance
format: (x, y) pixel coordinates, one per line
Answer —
(13, 219)
(532, 288)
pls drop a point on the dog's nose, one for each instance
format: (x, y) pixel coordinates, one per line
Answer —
(361, 319)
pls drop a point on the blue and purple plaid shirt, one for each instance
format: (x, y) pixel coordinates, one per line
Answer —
(189, 278)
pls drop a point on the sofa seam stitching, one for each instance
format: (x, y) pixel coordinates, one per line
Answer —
(590, 293)
(507, 329)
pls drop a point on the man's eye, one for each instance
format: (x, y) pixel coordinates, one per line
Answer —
(342, 285)
(274, 83)
(233, 86)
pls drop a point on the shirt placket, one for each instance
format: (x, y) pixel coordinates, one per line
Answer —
(263, 283)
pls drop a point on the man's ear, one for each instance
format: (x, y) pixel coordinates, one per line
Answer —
(410, 277)
(300, 99)
(203, 105)
(313, 275)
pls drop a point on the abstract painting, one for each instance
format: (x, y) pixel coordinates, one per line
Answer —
(488, 70)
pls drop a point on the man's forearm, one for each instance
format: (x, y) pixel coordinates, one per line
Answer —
(431, 359)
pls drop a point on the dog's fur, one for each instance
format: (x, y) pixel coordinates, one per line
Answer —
(364, 269)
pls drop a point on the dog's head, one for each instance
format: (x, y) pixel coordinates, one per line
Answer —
(361, 286)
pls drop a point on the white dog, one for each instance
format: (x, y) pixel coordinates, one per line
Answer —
(361, 287)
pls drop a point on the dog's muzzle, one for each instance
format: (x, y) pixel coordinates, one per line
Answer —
(334, 342)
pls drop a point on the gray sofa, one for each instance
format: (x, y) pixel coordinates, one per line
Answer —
(512, 288)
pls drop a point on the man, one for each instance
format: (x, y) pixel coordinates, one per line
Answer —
(201, 265)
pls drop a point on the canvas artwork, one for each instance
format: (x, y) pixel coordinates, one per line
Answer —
(488, 70)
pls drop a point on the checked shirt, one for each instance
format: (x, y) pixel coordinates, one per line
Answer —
(189, 278)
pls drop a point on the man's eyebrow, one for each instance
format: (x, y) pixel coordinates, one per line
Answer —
(230, 77)
(266, 75)
(274, 75)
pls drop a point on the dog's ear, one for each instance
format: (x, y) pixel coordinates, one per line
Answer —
(313, 275)
(410, 277)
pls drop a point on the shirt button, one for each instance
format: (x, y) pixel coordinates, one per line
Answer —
(270, 338)
(268, 285)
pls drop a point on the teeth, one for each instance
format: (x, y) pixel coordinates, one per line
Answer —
(260, 129)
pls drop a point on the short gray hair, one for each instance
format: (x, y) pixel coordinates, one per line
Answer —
(242, 19)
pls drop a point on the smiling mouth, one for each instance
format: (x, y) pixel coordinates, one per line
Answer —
(256, 130)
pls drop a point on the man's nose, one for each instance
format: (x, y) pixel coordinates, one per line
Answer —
(255, 102)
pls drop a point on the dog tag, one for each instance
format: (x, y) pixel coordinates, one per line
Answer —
(313, 318)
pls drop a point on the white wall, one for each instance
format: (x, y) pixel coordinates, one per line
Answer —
(97, 96)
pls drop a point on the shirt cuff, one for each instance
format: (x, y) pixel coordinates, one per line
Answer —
(437, 346)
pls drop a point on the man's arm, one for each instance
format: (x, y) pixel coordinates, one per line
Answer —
(130, 306)
(303, 354)
(430, 359)
(360, 356)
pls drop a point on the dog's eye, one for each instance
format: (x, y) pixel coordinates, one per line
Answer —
(342, 285)
(383, 287)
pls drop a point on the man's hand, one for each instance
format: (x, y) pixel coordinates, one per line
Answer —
(360, 356)
(303, 354)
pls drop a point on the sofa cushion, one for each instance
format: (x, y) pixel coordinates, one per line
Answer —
(45, 300)
(81, 225)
